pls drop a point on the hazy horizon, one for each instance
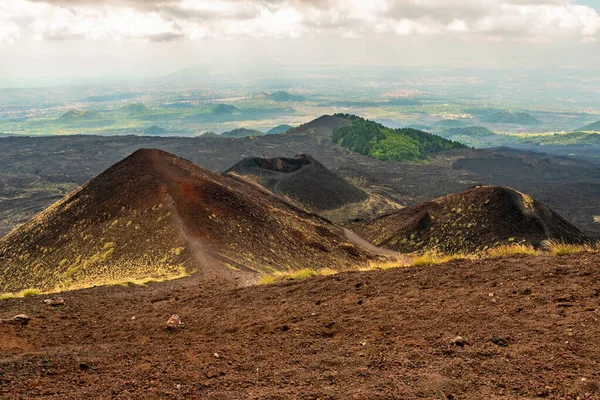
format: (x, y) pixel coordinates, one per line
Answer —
(69, 40)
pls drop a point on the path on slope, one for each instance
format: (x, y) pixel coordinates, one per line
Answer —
(357, 240)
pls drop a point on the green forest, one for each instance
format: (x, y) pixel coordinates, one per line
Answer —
(377, 141)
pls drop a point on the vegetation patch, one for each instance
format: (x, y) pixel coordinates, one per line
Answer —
(300, 274)
(512, 250)
(22, 294)
(377, 141)
(560, 248)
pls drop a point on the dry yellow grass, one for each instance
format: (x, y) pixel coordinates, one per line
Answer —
(294, 275)
(560, 248)
(434, 257)
(511, 250)
(21, 294)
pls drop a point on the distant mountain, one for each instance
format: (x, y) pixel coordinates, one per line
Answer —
(322, 126)
(155, 130)
(279, 129)
(476, 219)
(156, 215)
(209, 135)
(279, 96)
(377, 141)
(508, 117)
(135, 108)
(78, 115)
(225, 109)
(595, 127)
(448, 123)
(583, 138)
(110, 97)
(241, 132)
(418, 127)
(469, 131)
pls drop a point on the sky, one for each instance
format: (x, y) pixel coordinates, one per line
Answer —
(54, 38)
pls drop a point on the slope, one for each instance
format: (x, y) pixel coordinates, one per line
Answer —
(241, 133)
(310, 185)
(374, 140)
(474, 220)
(154, 215)
(593, 127)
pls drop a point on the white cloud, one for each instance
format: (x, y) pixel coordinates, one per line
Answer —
(9, 31)
(156, 20)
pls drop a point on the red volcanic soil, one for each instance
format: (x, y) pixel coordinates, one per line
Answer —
(529, 329)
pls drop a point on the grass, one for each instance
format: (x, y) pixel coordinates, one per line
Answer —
(560, 248)
(434, 257)
(511, 250)
(300, 274)
(549, 248)
(122, 282)
(22, 294)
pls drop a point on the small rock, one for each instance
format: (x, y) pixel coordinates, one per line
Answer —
(216, 355)
(20, 319)
(459, 341)
(500, 341)
(55, 301)
(84, 367)
(174, 322)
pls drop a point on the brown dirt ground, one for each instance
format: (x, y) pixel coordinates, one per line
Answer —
(360, 335)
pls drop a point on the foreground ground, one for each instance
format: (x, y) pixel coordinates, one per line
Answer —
(530, 325)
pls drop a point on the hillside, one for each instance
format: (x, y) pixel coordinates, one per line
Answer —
(322, 127)
(241, 132)
(154, 130)
(157, 215)
(279, 96)
(474, 220)
(78, 115)
(594, 127)
(302, 179)
(279, 129)
(580, 138)
(528, 328)
(225, 109)
(448, 124)
(309, 184)
(377, 141)
(135, 108)
(508, 117)
(468, 131)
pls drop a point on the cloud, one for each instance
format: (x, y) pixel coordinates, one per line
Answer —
(167, 20)
(9, 31)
